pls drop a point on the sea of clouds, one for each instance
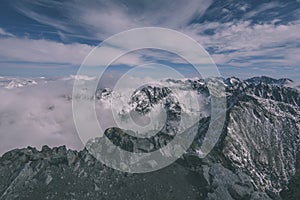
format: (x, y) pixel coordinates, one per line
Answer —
(37, 112)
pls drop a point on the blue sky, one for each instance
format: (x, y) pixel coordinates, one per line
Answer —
(244, 38)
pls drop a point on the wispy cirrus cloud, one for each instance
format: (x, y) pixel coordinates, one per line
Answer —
(5, 33)
(101, 19)
(265, 43)
(43, 51)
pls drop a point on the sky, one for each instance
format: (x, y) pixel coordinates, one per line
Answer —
(244, 38)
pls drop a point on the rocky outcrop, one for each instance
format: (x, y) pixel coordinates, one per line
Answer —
(59, 173)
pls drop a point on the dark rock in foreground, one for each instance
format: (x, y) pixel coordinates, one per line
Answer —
(59, 173)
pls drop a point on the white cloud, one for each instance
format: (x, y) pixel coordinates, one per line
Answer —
(46, 51)
(4, 33)
(28, 50)
(262, 8)
(235, 42)
(37, 115)
(103, 18)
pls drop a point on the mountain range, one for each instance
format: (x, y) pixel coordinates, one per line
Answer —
(256, 156)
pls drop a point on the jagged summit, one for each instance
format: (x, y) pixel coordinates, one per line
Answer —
(269, 80)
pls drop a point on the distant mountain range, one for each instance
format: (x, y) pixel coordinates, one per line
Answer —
(256, 157)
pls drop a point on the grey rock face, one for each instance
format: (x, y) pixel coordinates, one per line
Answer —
(262, 135)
